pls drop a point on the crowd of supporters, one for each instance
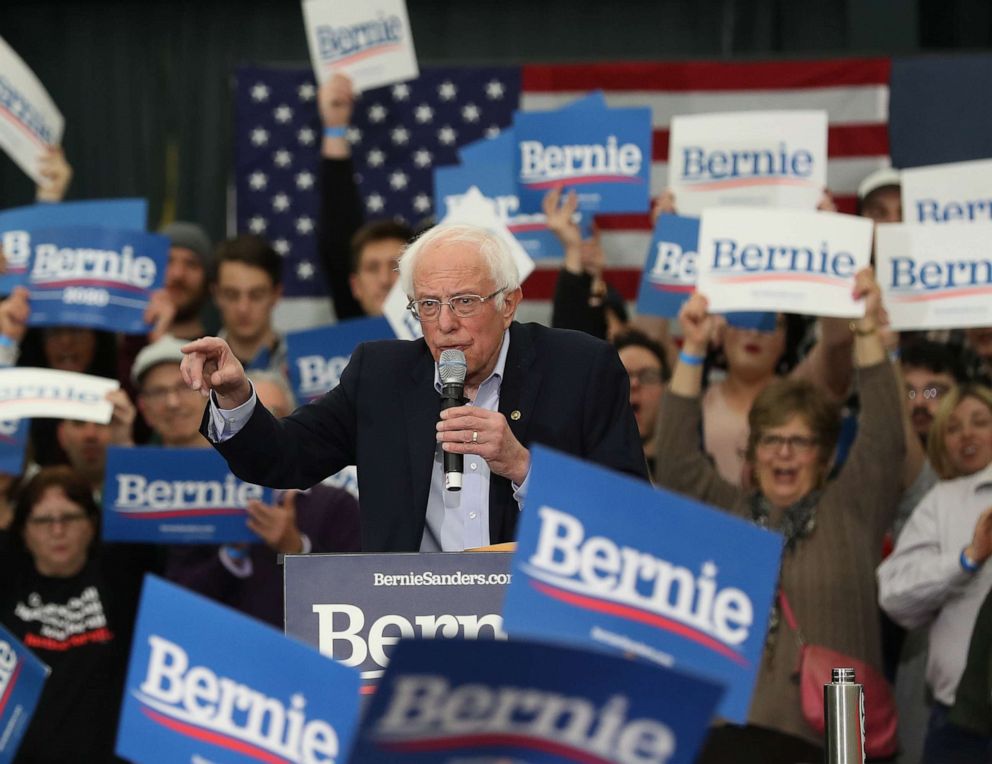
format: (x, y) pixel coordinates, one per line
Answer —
(869, 451)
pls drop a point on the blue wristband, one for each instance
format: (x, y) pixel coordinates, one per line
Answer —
(6, 341)
(968, 565)
(691, 360)
(335, 132)
(235, 553)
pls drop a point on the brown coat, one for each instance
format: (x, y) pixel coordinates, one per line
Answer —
(830, 577)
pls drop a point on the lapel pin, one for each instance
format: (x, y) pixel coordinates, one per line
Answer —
(515, 415)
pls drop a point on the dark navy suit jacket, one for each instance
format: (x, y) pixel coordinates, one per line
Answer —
(570, 389)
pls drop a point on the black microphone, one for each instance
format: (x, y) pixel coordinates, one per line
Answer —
(451, 368)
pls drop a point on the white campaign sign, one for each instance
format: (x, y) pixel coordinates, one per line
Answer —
(29, 119)
(476, 209)
(754, 159)
(370, 41)
(935, 277)
(782, 260)
(50, 394)
(946, 193)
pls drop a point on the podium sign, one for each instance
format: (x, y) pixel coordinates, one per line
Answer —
(355, 607)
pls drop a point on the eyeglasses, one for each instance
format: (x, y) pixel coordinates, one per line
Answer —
(931, 393)
(801, 444)
(462, 305)
(50, 521)
(645, 376)
(157, 395)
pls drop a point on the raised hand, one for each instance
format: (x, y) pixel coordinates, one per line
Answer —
(210, 364)
(56, 174)
(276, 524)
(698, 325)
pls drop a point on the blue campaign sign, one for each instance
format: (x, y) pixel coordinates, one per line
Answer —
(605, 156)
(16, 226)
(13, 441)
(318, 356)
(494, 178)
(22, 677)
(447, 702)
(175, 496)
(499, 148)
(669, 275)
(668, 579)
(205, 683)
(100, 278)
(595, 100)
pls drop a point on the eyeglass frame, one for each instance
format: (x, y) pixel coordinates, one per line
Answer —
(159, 395)
(799, 444)
(414, 305)
(66, 519)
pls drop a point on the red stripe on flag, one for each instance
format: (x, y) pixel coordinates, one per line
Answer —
(869, 140)
(707, 75)
(540, 285)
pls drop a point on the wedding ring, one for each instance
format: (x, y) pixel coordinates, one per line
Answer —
(475, 436)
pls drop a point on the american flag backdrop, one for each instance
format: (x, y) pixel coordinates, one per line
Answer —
(400, 133)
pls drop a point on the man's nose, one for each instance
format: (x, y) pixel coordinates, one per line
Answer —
(447, 321)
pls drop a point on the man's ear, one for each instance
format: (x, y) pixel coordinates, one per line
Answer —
(511, 301)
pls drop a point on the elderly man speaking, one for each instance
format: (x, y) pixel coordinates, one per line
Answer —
(525, 384)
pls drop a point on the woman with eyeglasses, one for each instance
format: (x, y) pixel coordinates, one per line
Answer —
(937, 575)
(832, 531)
(73, 604)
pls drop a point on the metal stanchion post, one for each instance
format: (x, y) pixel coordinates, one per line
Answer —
(844, 717)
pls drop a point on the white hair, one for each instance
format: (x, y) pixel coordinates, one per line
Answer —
(494, 251)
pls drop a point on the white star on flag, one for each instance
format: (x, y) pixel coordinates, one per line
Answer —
(258, 181)
(306, 136)
(423, 114)
(400, 135)
(280, 202)
(470, 112)
(374, 203)
(422, 203)
(422, 158)
(306, 92)
(304, 180)
(377, 112)
(260, 92)
(305, 270)
(282, 158)
(398, 180)
(447, 135)
(281, 246)
(259, 136)
(304, 224)
(447, 91)
(282, 114)
(401, 92)
(375, 158)
(494, 90)
(492, 131)
(257, 224)
(354, 135)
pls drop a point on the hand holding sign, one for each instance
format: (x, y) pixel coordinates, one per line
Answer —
(56, 173)
(160, 313)
(276, 524)
(121, 418)
(14, 313)
(335, 100)
(210, 364)
(560, 212)
(471, 430)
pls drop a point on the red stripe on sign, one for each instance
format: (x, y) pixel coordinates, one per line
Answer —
(540, 285)
(707, 75)
(870, 140)
(11, 684)
(214, 738)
